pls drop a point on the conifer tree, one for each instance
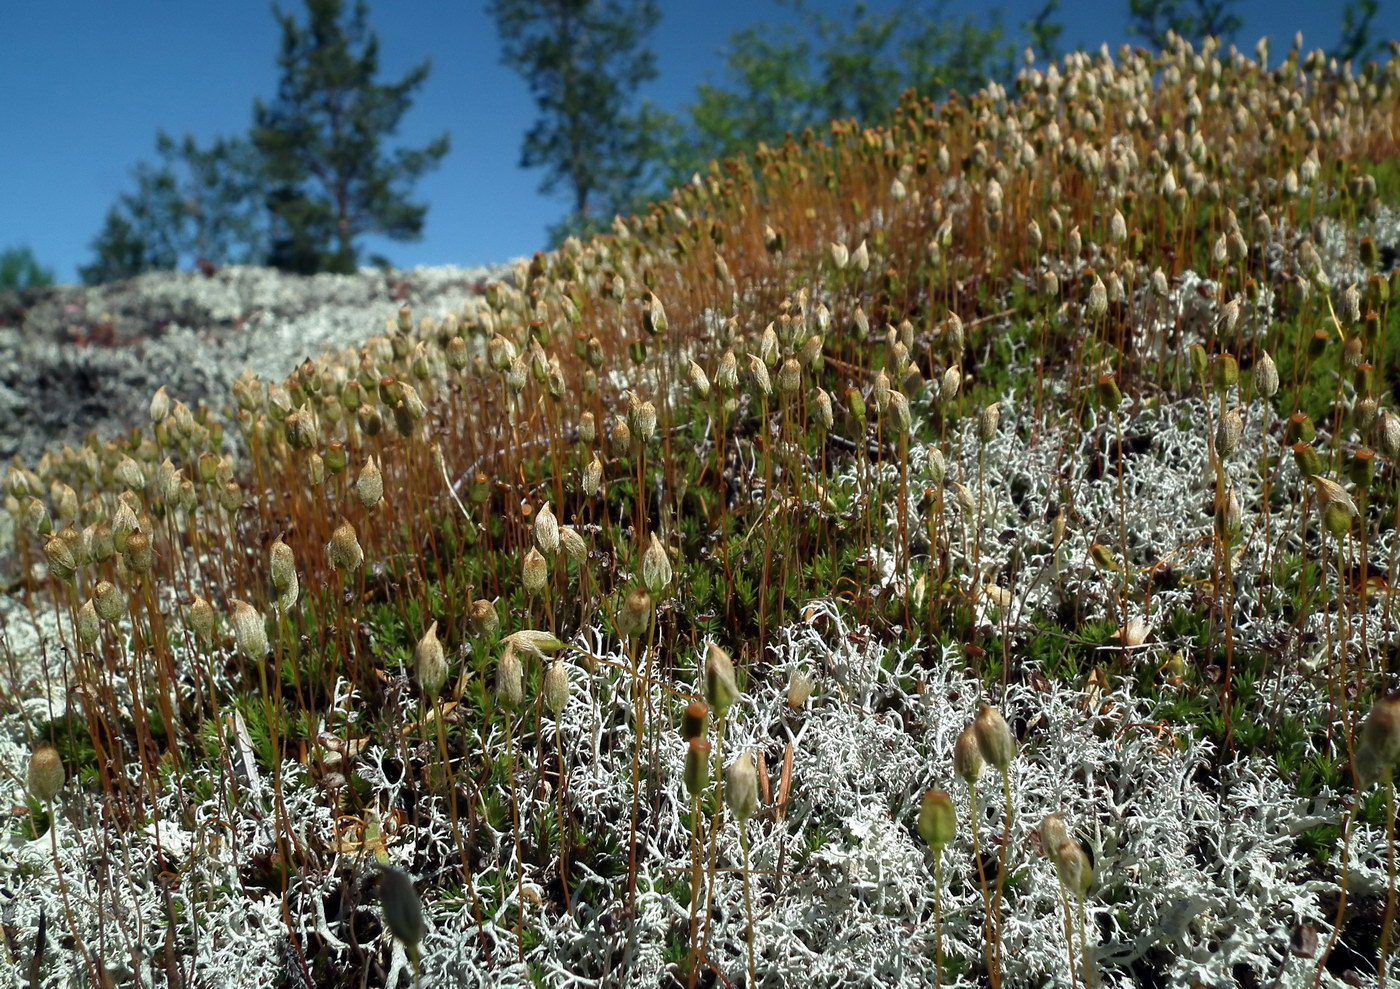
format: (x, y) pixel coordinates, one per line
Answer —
(323, 141)
(194, 204)
(1356, 43)
(19, 269)
(1193, 20)
(783, 80)
(584, 61)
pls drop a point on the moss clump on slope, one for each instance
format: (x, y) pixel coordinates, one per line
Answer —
(974, 408)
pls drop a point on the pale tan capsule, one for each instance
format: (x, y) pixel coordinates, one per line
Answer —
(937, 466)
(517, 374)
(128, 473)
(546, 530)
(1097, 305)
(951, 384)
(343, 552)
(901, 414)
(635, 615)
(619, 436)
(741, 787)
(1134, 633)
(97, 542)
(823, 413)
(1073, 866)
(789, 377)
(698, 380)
(89, 627)
(966, 502)
(994, 738)
(641, 417)
(1053, 834)
(721, 690)
(656, 567)
(800, 687)
(727, 377)
(62, 563)
(1351, 303)
(483, 618)
(510, 680)
(45, 777)
(880, 392)
(769, 348)
(124, 523)
(1265, 376)
(300, 429)
(534, 572)
(369, 487)
(108, 601)
(555, 688)
(138, 556)
(759, 371)
(201, 618)
(860, 323)
(1330, 493)
(1365, 411)
(249, 632)
(988, 421)
(654, 316)
(592, 477)
(534, 642)
(1229, 432)
(283, 568)
(572, 544)
(430, 663)
(1388, 430)
(160, 405)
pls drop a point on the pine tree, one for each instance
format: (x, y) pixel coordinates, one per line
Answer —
(129, 244)
(782, 81)
(20, 270)
(193, 204)
(1194, 20)
(322, 141)
(1356, 43)
(584, 61)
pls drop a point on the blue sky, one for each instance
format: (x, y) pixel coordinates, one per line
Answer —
(87, 83)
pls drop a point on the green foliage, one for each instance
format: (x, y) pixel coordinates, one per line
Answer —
(303, 229)
(781, 81)
(296, 193)
(19, 270)
(1043, 32)
(1355, 43)
(584, 61)
(322, 143)
(128, 244)
(1193, 20)
(193, 203)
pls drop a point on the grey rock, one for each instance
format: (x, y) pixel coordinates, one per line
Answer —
(76, 360)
